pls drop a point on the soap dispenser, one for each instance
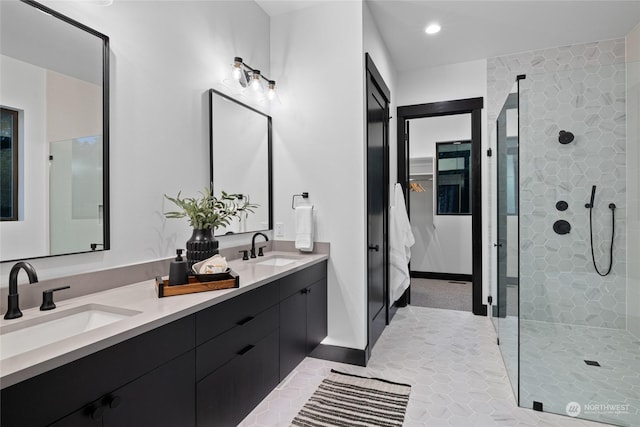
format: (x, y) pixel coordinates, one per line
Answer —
(178, 270)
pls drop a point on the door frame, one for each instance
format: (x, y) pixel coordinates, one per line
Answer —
(447, 108)
(376, 78)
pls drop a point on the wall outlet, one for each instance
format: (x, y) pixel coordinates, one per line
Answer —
(279, 229)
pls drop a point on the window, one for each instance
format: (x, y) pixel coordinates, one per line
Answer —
(453, 177)
(8, 165)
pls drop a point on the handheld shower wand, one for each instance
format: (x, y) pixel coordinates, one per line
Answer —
(590, 206)
(593, 198)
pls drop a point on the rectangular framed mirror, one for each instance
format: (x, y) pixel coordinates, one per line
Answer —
(241, 159)
(54, 134)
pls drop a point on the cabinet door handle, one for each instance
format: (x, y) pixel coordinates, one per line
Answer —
(245, 320)
(374, 248)
(305, 291)
(245, 350)
(97, 413)
(114, 402)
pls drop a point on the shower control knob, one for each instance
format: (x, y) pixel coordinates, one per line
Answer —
(565, 137)
(562, 205)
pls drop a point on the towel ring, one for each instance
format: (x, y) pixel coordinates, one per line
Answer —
(304, 195)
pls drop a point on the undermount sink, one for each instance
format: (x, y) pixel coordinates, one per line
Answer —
(34, 333)
(278, 260)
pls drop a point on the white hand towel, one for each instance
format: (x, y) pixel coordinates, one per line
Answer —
(304, 228)
(400, 241)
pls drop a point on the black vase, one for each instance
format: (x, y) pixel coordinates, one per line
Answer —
(201, 245)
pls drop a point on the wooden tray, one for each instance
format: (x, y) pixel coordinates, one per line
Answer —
(229, 280)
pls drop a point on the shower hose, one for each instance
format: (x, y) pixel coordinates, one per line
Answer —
(612, 206)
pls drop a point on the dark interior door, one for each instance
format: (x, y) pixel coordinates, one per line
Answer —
(377, 190)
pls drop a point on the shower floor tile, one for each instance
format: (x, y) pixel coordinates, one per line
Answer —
(452, 362)
(553, 370)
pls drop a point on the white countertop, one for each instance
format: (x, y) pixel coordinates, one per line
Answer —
(154, 312)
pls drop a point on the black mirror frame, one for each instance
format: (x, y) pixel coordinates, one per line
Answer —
(213, 92)
(106, 245)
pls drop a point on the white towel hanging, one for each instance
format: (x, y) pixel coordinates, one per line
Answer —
(304, 228)
(400, 241)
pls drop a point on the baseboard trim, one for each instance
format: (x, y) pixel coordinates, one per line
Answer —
(480, 310)
(441, 276)
(335, 353)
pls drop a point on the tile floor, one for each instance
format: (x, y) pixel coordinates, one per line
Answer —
(452, 362)
(553, 371)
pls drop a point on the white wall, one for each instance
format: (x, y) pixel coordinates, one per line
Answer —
(375, 46)
(164, 58)
(449, 82)
(443, 242)
(74, 108)
(633, 181)
(22, 87)
(317, 58)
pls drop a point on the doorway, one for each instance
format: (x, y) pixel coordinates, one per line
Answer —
(378, 96)
(454, 160)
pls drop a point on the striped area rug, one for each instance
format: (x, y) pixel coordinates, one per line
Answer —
(349, 400)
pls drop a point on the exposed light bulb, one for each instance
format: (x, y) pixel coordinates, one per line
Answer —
(271, 92)
(237, 68)
(432, 29)
(255, 85)
(236, 80)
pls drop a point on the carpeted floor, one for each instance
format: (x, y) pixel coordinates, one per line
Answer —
(441, 294)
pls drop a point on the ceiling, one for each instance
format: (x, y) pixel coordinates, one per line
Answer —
(482, 29)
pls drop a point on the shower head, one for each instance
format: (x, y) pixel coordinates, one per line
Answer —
(565, 137)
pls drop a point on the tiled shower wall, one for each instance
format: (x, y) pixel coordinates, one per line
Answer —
(633, 180)
(579, 88)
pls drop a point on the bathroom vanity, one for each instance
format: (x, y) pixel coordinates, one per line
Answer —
(201, 359)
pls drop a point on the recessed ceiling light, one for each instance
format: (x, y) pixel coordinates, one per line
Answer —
(432, 29)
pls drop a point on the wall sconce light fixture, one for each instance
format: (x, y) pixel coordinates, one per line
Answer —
(246, 79)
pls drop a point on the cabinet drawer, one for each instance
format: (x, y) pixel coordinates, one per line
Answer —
(299, 280)
(63, 390)
(224, 316)
(218, 351)
(226, 396)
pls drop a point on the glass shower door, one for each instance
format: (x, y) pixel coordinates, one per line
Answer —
(505, 307)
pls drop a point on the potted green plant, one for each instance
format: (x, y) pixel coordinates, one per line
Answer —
(206, 214)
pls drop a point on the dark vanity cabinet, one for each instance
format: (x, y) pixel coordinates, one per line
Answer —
(303, 315)
(208, 369)
(146, 380)
(237, 356)
(163, 397)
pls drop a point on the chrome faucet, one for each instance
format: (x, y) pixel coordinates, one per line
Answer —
(13, 309)
(253, 244)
